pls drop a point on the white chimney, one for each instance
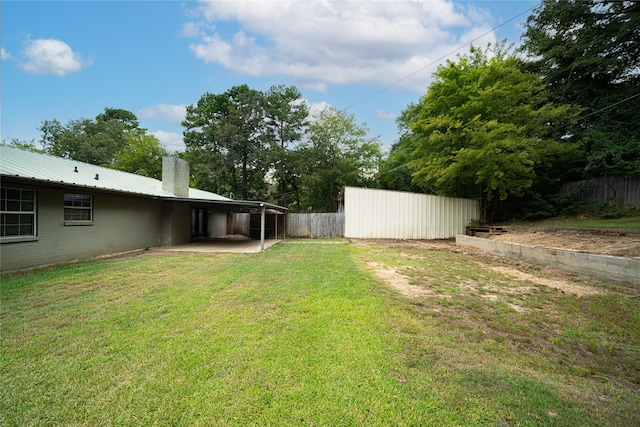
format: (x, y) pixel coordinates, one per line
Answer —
(175, 176)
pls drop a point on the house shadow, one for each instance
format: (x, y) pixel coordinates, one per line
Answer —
(232, 243)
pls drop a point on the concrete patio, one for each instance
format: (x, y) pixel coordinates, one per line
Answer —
(236, 244)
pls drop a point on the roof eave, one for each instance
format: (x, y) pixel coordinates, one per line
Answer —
(249, 204)
(51, 183)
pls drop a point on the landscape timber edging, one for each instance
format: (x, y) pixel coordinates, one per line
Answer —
(601, 266)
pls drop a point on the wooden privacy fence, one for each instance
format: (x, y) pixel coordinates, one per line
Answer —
(240, 224)
(617, 189)
(315, 225)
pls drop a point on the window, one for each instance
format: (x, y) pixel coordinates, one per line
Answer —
(77, 207)
(17, 212)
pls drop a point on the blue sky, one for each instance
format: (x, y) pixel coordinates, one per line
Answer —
(71, 59)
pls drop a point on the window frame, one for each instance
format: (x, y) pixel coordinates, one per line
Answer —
(80, 207)
(33, 213)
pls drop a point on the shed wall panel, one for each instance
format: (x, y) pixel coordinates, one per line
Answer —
(385, 214)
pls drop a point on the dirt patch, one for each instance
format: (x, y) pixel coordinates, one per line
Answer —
(604, 243)
(440, 244)
(399, 281)
(562, 285)
(524, 283)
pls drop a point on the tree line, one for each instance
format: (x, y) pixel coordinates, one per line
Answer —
(243, 143)
(507, 126)
(511, 126)
(266, 145)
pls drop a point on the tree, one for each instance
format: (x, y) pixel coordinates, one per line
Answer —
(127, 118)
(486, 129)
(141, 155)
(588, 53)
(96, 141)
(84, 140)
(245, 135)
(394, 173)
(225, 139)
(287, 120)
(23, 145)
(337, 152)
(205, 146)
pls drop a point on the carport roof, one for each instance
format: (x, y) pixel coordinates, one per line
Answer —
(241, 205)
(44, 168)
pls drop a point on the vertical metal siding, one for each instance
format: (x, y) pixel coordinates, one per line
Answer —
(388, 214)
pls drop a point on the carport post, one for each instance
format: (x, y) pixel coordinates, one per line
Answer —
(262, 212)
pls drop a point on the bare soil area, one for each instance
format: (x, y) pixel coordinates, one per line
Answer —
(400, 280)
(597, 242)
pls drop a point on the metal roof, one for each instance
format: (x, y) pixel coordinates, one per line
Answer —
(15, 162)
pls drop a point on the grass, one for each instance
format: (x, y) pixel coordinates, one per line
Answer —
(304, 334)
(587, 223)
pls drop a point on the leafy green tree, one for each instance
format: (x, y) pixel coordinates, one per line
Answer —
(246, 140)
(85, 140)
(394, 173)
(96, 141)
(23, 145)
(485, 129)
(337, 152)
(205, 144)
(125, 117)
(588, 53)
(226, 132)
(52, 131)
(141, 155)
(287, 120)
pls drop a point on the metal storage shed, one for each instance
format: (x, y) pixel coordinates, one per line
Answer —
(386, 214)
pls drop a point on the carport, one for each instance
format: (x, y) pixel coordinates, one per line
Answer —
(200, 241)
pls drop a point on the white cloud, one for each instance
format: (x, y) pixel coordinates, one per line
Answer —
(51, 56)
(191, 29)
(172, 113)
(173, 141)
(4, 54)
(386, 115)
(316, 107)
(324, 42)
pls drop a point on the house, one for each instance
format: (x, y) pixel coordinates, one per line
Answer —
(56, 210)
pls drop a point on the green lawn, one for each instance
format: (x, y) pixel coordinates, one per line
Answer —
(305, 335)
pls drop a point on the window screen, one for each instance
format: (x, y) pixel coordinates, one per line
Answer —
(17, 212)
(78, 207)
